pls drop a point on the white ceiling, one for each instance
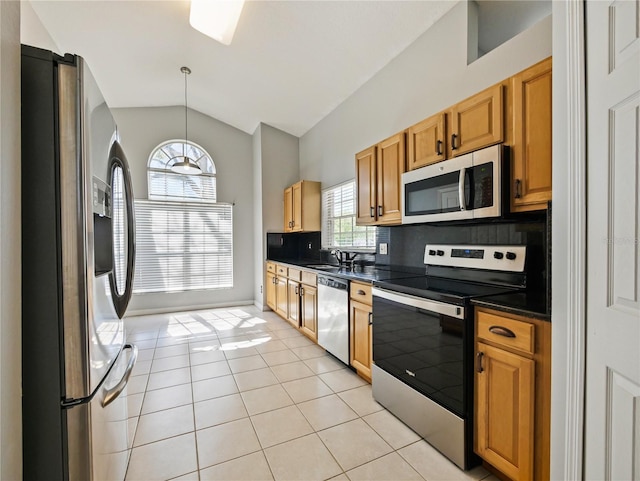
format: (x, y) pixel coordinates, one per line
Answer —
(289, 65)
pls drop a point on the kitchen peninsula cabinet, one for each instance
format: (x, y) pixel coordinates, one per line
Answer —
(512, 393)
(531, 150)
(302, 207)
(360, 317)
(378, 182)
(476, 122)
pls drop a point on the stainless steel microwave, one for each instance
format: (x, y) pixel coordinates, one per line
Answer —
(465, 187)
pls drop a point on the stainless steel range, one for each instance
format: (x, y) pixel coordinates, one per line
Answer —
(423, 340)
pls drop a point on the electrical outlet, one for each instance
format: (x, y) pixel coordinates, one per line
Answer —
(384, 248)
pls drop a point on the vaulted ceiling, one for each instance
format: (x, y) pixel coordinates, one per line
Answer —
(289, 65)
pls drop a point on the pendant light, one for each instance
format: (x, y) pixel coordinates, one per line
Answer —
(186, 165)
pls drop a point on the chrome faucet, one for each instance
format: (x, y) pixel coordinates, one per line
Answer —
(338, 255)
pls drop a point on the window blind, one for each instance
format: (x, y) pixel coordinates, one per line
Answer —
(339, 227)
(183, 246)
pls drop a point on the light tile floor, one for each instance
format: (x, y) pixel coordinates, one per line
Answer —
(238, 394)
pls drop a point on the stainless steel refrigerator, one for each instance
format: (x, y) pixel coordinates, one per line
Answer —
(78, 250)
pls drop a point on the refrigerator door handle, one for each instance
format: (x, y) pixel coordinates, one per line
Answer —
(122, 297)
(111, 394)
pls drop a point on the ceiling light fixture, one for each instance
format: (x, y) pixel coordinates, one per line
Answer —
(216, 18)
(187, 165)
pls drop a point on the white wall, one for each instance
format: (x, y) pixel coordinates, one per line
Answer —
(141, 130)
(32, 31)
(10, 252)
(276, 166)
(430, 75)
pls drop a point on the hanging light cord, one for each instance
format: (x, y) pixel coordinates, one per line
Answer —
(186, 71)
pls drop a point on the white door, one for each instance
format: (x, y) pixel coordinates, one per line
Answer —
(612, 424)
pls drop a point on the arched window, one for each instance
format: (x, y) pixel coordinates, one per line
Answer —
(164, 184)
(184, 237)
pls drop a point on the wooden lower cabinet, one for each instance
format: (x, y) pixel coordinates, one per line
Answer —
(282, 305)
(293, 302)
(309, 311)
(270, 287)
(293, 295)
(504, 411)
(512, 394)
(360, 338)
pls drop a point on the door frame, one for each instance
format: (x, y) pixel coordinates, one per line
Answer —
(569, 243)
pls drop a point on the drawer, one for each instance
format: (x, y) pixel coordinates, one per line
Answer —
(271, 267)
(506, 332)
(294, 274)
(361, 292)
(281, 270)
(309, 278)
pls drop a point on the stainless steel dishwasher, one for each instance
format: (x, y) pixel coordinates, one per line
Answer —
(333, 316)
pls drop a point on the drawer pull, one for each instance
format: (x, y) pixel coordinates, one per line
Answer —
(370, 318)
(360, 292)
(502, 331)
(479, 357)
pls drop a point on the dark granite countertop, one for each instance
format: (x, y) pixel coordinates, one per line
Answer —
(530, 304)
(359, 273)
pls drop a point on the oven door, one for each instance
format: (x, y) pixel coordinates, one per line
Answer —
(422, 343)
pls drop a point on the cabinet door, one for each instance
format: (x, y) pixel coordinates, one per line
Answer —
(309, 311)
(477, 121)
(281, 297)
(293, 302)
(288, 209)
(426, 142)
(360, 338)
(531, 153)
(366, 186)
(296, 203)
(271, 290)
(505, 411)
(390, 167)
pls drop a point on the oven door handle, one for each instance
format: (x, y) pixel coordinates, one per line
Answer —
(438, 307)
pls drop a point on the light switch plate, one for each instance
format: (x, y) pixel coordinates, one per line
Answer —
(384, 248)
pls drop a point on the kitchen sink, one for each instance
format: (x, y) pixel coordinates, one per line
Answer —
(322, 267)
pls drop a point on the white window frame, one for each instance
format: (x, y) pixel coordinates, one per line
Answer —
(183, 242)
(347, 212)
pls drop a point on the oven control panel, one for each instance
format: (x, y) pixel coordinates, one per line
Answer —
(495, 258)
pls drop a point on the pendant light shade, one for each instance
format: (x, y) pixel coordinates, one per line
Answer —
(184, 164)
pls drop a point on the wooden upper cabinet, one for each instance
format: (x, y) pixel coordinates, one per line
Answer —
(390, 167)
(366, 186)
(302, 207)
(477, 121)
(427, 142)
(288, 209)
(531, 151)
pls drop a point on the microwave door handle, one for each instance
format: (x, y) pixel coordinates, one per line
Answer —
(461, 196)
